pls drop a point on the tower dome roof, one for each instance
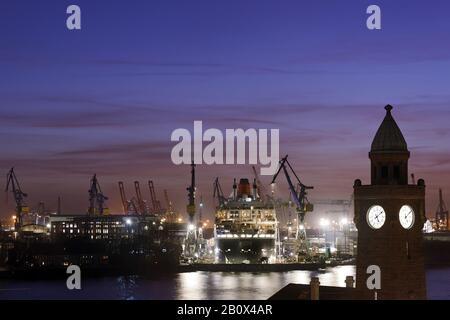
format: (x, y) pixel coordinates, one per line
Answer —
(389, 137)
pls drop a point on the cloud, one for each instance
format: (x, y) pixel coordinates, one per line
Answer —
(174, 68)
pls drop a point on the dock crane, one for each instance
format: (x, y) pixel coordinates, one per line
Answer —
(129, 206)
(13, 185)
(442, 223)
(218, 193)
(190, 244)
(96, 199)
(170, 211)
(300, 199)
(155, 203)
(123, 197)
(191, 196)
(143, 209)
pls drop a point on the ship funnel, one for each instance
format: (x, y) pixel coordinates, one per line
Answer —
(244, 188)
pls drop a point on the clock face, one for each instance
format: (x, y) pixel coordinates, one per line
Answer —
(406, 217)
(376, 217)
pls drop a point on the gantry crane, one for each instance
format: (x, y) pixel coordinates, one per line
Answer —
(129, 206)
(143, 209)
(13, 185)
(155, 203)
(123, 197)
(300, 199)
(96, 199)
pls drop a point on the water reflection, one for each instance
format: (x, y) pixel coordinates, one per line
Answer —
(241, 286)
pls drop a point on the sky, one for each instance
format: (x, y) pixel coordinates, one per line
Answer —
(105, 99)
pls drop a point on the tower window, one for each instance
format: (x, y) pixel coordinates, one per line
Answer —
(396, 172)
(384, 171)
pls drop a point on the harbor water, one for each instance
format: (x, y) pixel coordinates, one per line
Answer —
(198, 285)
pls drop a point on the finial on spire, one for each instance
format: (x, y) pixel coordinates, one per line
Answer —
(388, 108)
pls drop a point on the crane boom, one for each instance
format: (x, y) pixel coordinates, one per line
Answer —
(218, 193)
(141, 202)
(123, 197)
(155, 204)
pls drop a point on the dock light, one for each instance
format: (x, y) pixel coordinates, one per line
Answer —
(302, 227)
(191, 227)
(179, 219)
(324, 222)
(205, 225)
(49, 225)
(14, 217)
(128, 222)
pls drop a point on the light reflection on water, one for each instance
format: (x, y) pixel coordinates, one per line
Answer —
(198, 285)
(248, 286)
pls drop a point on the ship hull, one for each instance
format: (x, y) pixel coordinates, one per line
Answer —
(245, 250)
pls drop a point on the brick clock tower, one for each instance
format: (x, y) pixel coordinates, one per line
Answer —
(389, 216)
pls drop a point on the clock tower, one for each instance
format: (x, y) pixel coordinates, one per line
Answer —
(389, 216)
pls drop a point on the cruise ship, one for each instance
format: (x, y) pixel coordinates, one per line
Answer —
(245, 226)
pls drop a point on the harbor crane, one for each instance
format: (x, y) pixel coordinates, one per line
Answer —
(442, 223)
(155, 203)
(170, 210)
(300, 199)
(129, 206)
(190, 245)
(13, 185)
(123, 197)
(218, 193)
(96, 199)
(191, 196)
(143, 209)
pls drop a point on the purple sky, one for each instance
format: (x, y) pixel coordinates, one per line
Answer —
(105, 99)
